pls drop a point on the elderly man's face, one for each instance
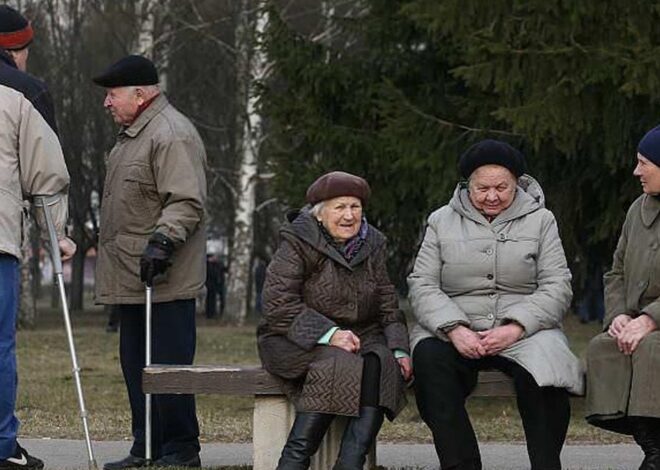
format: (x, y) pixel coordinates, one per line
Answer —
(123, 103)
(341, 217)
(492, 189)
(648, 174)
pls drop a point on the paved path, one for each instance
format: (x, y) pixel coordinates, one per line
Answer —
(61, 454)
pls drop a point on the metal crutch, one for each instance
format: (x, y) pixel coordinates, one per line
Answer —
(44, 202)
(147, 362)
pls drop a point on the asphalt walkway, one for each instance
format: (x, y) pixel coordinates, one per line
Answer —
(62, 454)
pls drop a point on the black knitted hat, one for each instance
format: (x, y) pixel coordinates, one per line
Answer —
(132, 70)
(15, 30)
(491, 152)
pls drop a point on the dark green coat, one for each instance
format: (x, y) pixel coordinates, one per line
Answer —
(618, 385)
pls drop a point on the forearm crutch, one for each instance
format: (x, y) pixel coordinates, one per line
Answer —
(147, 363)
(45, 202)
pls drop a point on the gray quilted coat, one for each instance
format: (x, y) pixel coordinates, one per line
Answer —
(310, 288)
(483, 274)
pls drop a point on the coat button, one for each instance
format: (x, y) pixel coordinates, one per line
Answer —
(502, 236)
(489, 277)
(490, 316)
(493, 295)
(489, 251)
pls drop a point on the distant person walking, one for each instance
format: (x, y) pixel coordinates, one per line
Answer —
(623, 383)
(153, 232)
(31, 164)
(215, 273)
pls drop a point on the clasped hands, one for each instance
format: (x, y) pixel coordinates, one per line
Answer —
(629, 332)
(349, 341)
(477, 344)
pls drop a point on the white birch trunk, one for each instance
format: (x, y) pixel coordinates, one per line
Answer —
(147, 39)
(251, 67)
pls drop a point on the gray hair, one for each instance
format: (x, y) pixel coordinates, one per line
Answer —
(316, 209)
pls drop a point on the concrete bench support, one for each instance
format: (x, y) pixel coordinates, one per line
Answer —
(272, 420)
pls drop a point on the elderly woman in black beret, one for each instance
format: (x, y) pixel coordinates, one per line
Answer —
(332, 329)
(489, 289)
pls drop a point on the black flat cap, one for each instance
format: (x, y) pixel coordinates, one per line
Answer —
(132, 70)
(491, 152)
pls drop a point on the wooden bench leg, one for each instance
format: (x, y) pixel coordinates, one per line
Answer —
(272, 420)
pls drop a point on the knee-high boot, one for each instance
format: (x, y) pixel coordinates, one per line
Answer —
(304, 439)
(358, 438)
(646, 432)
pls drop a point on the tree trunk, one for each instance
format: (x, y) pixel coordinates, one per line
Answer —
(77, 285)
(250, 68)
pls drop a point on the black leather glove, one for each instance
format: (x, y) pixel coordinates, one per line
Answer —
(156, 257)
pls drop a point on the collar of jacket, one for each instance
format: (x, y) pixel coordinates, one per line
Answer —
(6, 58)
(147, 115)
(650, 209)
(303, 226)
(529, 198)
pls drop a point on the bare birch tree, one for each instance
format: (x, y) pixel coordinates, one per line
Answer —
(251, 68)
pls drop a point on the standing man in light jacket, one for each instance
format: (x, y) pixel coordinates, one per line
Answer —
(31, 164)
(153, 232)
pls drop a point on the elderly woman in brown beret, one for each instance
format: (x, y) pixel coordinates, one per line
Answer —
(332, 328)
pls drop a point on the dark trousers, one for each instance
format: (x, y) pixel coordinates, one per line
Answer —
(444, 379)
(174, 427)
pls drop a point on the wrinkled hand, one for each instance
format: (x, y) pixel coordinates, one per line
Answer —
(156, 257)
(67, 248)
(499, 338)
(618, 324)
(346, 340)
(406, 367)
(466, 342)
(634, 332)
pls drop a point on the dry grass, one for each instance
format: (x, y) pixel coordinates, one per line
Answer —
(48, 406)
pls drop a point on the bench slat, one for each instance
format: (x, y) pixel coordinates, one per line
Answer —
(253, 380)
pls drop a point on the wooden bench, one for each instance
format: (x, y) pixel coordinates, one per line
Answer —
(273, 414)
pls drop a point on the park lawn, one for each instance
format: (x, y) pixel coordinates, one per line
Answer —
(47, 405)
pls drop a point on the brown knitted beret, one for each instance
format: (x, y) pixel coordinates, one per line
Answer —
(337, 184)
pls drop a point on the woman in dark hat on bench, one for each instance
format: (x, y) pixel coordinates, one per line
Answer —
(489, 289)
(332, 329)
(623, 363)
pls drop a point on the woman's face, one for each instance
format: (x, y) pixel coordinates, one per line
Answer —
(492, 189)
(341, 217)
(648, 174)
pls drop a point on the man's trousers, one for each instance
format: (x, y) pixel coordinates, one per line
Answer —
(174, 423)
(9, 289)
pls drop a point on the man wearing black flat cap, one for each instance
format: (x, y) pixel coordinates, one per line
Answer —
(153, 232)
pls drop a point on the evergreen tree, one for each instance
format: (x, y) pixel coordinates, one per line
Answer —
(407, 86)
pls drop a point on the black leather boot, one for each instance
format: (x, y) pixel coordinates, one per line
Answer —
(646, 432)
(358, 438)
(304, 439)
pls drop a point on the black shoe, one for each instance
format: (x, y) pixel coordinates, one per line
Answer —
(21, 460)
(177, 460)
(358, 438)
(127, 462)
